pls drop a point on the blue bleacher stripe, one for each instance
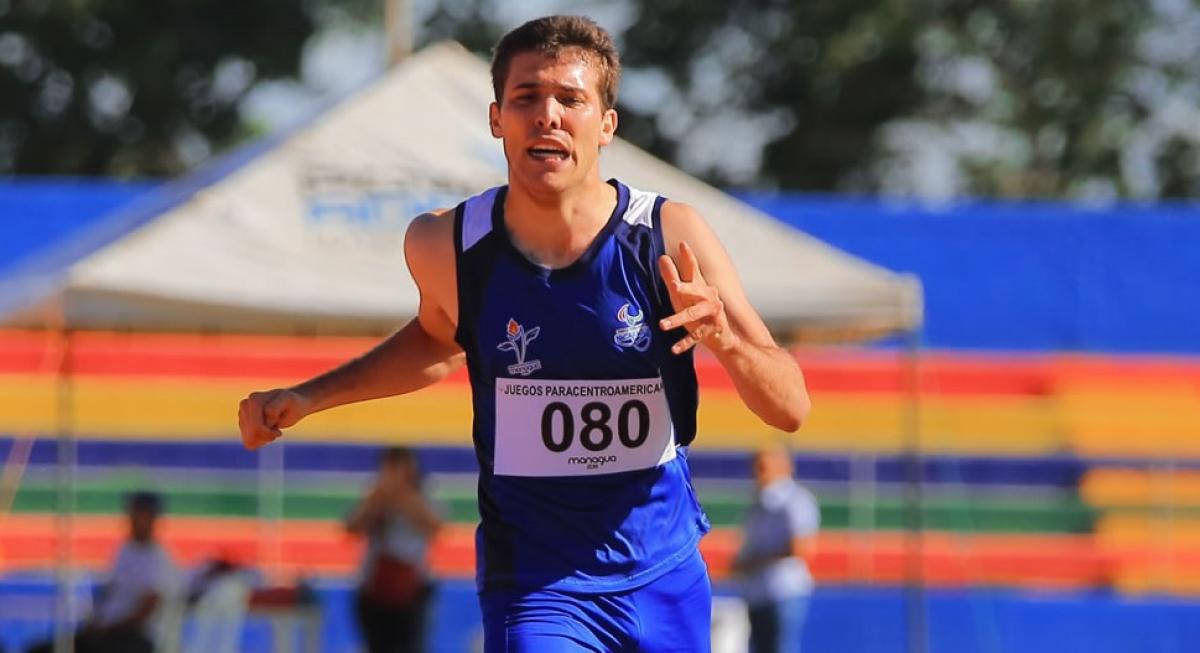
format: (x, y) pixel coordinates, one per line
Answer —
(1057, 471)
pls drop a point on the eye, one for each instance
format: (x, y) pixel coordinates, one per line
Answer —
(571, 101)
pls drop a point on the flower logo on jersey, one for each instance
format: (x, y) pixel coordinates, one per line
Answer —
(634, 334)
(518, 343)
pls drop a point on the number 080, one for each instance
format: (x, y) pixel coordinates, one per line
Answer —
(633, 425)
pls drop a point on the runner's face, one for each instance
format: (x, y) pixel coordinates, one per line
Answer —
(552, 120)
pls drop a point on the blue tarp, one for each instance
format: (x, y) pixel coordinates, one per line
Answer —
(36, 214)
(1028, 275)
(1011, 276)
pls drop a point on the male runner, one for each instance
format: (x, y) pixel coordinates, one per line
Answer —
(577, 329)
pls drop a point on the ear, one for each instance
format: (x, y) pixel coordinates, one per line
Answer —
(608, 127)
(494, 120)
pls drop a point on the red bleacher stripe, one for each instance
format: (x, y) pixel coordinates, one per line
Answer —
(826, 370)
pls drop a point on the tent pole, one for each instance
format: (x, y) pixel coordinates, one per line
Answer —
(398, 19)
(64, 641)
(270, 508)
(863, 506)
(915, 609)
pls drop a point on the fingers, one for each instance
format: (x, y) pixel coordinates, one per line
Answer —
(686, 272)
(256, 429)
(670, 277)
(690, 314)
(685, 343)
(695, 337)
(689, 264)
(273, 410)
(698, 305)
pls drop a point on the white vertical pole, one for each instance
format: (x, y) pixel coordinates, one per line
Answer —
(64, 604)
(397, 19)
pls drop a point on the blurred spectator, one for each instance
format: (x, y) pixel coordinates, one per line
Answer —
(143, 580)
(398, 522)
(779, 538)
(218, 593)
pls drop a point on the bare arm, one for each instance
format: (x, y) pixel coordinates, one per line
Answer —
(367, 514)
(421, 353)
(408, 360)
(421, 515)
(708, 297)
(373, 509)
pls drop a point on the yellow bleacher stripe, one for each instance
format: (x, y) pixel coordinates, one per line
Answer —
(947, 423)
(173, 408)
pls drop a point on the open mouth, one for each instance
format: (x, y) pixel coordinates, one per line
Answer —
(548, 153)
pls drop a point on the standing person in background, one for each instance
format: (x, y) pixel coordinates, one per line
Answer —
(575, 304)
(398, 523)
(778, 541)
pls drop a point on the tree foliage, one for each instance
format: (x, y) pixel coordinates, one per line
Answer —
(1028, 98)
(124, 88)
(937, 98)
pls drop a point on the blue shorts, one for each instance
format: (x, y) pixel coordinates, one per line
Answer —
(671, 613)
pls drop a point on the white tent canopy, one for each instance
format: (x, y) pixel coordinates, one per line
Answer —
(303, 233)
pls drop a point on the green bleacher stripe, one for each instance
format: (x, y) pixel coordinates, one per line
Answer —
(990, 514)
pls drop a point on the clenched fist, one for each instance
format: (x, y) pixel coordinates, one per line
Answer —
(262, 416)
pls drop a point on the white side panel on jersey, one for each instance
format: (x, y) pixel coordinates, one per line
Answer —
(477, 218)
(641, 208)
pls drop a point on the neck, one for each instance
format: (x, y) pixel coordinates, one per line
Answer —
(555, 228)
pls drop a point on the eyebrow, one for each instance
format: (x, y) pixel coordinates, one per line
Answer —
(562, 87)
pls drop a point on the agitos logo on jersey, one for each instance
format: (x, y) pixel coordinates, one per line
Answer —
(634, 334)
(518, 342)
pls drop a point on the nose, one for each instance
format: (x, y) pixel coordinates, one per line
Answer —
(549, 114)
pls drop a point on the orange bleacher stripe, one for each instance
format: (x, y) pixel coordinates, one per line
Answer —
(1154, 530)
(1061, 561)
(1107, 488)
(1161, 420)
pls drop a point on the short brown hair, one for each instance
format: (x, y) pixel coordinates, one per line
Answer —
(552, 35)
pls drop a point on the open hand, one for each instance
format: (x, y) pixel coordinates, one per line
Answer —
(698, 306)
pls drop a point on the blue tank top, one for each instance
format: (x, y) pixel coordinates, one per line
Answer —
(582, 413)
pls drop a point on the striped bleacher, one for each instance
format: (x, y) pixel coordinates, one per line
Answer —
(1036, 470)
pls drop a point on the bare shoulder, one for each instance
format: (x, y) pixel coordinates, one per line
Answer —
(429, 241)
(678, 215)
(432, 229)
(682, 222)
(429, 251)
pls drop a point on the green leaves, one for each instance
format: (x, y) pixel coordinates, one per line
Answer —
(133, 88)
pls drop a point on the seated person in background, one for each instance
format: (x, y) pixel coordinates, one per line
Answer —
(398, 523)
(143, 576)
(218, 592)
(224, 566)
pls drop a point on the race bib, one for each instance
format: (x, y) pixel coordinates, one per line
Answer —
(581, 427)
